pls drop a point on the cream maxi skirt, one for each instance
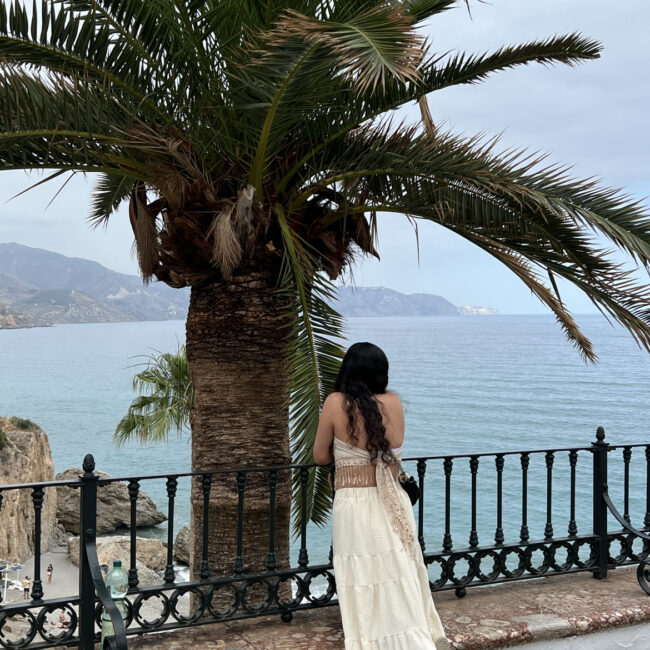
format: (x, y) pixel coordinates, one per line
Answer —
(383, 594)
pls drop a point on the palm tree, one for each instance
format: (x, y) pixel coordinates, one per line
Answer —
(252, 142)
(164, 403)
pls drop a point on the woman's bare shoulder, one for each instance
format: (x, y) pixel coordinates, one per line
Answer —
(334, 401)
(390, 399)
(335, 397)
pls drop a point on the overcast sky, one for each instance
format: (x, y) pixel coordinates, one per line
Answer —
(593, 116)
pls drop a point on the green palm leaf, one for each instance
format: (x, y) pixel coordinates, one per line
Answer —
(345, 110)
(110, 191)
(315, 355)
(164, 403)
(509, 206)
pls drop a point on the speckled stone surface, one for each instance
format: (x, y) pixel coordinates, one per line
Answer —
(488, 617)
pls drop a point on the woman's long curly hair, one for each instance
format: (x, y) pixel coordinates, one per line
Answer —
(364, 374)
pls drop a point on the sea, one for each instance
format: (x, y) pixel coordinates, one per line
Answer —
(469, 384)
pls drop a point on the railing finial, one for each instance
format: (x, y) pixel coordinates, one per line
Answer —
(88, 464)
(600, 434)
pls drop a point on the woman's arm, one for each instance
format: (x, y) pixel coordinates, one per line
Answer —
(323, 454)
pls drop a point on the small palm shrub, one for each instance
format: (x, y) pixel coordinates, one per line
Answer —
(3, 440)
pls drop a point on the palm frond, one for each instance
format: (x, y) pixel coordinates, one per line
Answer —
(345, 111)
(110, 191)
(159, 35)
(303, 60)
(422, 9)
(315, 355)
(79, 47)
(58, 123)
(370, 46)
(164, 403)
(464, 68)
(508, 204)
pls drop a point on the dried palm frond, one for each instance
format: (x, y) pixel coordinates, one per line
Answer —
(243, 217)
(143, 224)
(427, 120)
(370, 46)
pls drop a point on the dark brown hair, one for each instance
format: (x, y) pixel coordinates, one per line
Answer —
(364, 374)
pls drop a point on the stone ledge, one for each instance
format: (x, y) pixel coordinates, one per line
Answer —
(488, 617)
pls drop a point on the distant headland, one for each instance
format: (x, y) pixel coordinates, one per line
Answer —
(40, 288)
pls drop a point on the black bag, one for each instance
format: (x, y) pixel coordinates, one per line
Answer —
(410, 486)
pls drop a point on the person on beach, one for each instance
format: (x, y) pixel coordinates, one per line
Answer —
(49, 571)
(381, 580)
(26, 586)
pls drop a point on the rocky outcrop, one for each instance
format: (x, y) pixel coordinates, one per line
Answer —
(59, 536)
(25, 458)
(113, 506)
(182, 546)
(151, 555)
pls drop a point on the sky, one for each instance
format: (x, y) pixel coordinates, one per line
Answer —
(593, 116)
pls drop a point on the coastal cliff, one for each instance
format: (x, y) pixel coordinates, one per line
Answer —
(25, 457)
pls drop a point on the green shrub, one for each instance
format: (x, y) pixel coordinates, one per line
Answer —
(23, 424)
(3, 439)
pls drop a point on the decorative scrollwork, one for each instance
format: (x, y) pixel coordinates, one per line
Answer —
(143, 602)
(263, 603)
(469, 576)
(444, 572)
(329, 592)
(297, 597)
(196, 606)
(57, 623)
(625, 550)
(568, 563)
(521, 565)
(643, 576)
(643, 554)
(643, 572)
(17, 629)
(593, 553)
(215, 594)
(546, 561)
(496, 565)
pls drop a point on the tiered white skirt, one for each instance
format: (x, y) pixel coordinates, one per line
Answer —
(383, 594)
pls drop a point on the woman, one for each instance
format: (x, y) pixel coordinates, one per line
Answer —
(381, 580)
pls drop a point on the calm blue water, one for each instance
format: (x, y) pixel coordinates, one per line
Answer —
(469, 384)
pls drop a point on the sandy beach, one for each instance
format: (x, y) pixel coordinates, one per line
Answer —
(65, 583)
(65, 577)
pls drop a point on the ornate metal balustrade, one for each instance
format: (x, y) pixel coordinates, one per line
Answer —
(285, 590)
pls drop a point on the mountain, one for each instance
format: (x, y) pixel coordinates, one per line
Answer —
(64, 306)
(84, 291)
(38, 287)
(379, 301)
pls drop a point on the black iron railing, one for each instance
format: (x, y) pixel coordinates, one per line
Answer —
(285, 590)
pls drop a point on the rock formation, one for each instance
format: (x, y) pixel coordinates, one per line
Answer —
(25, 458)
(182, 546)
(151, 555)
(113, 506)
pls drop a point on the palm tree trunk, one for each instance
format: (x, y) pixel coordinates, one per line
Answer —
(237, 354)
